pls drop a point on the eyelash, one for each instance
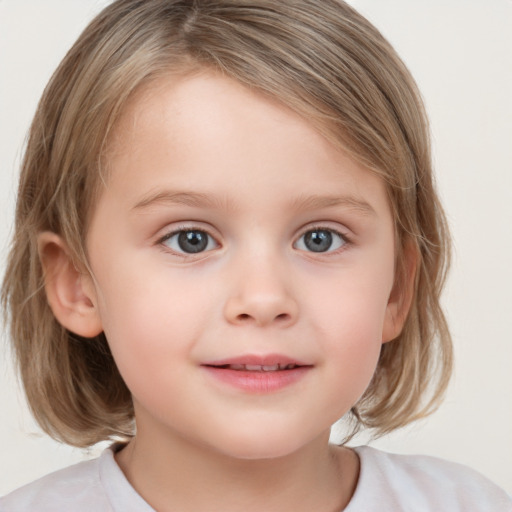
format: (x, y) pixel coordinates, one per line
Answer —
(182, 230)
(345, 240)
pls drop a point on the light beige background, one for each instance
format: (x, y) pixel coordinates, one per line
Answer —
(460, 52)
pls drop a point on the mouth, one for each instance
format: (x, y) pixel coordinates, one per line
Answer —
(258, 374)
(257, 363)
(256, 367)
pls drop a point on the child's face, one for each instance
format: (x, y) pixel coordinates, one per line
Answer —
(231, 232)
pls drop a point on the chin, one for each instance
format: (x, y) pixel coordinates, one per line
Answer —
(264, 445)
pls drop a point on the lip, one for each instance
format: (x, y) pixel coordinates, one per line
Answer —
(257, 360)
(260, 380)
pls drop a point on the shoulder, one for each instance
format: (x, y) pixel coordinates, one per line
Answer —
(422, 483)
(76, 488)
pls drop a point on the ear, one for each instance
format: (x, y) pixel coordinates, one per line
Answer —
(70, 293)
(401, 296)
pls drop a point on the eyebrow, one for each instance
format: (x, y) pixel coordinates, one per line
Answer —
(317, 202)
(198, 200)
(193, 199)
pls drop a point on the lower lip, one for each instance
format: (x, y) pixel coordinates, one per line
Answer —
(258, 382)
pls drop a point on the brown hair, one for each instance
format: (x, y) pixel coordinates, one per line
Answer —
(318, 57)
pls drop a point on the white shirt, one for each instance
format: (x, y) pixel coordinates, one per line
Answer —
(387, 483)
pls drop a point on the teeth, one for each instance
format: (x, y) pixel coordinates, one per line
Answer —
(253, 367)
(262, 368)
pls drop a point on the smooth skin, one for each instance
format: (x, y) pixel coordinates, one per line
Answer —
(295, 255)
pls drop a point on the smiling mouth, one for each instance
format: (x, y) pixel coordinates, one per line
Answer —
(256, 367)
(258, 374)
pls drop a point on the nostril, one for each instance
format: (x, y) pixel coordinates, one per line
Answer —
(280, 318)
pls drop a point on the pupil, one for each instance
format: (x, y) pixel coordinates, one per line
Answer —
(318, 241)
(192, 241)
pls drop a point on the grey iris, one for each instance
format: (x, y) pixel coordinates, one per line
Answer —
(318, 241)
(192, 241)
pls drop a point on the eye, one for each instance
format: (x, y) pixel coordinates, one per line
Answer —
(320, 240)
(189, 241)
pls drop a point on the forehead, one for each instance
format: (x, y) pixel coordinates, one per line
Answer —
(193, 104)
(202, 128)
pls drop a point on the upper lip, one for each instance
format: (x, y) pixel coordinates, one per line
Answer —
(267, 360)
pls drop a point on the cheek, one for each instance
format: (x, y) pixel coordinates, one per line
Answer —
(353, 303)
(150, 321)
(349, 319)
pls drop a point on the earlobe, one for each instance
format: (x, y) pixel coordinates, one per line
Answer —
(401, 296)
(70, 292)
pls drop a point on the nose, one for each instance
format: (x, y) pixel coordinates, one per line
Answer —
(261, 297)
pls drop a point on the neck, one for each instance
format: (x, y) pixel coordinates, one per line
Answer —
(178, 475)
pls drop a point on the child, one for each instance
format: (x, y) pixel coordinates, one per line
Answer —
(227, 237)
